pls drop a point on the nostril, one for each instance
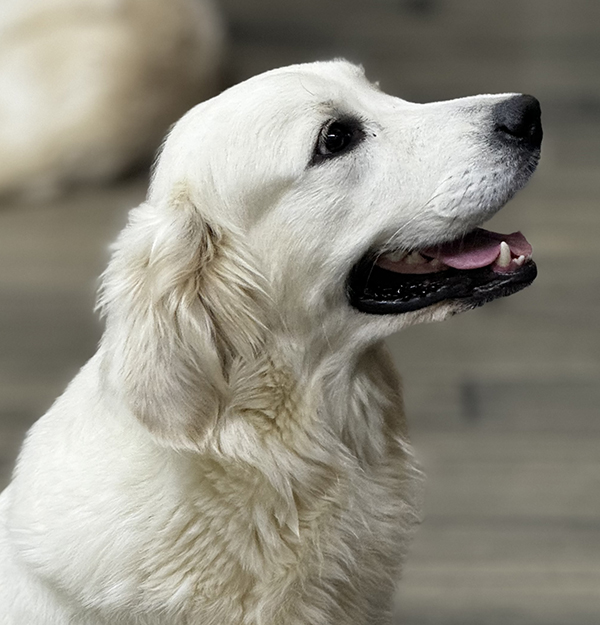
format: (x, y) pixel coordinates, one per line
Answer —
(519, 118)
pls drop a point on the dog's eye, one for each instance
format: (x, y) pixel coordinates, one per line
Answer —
(336, 138)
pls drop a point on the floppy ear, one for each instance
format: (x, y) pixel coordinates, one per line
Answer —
(182, 302)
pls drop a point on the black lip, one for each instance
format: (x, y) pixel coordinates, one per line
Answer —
(377, 291)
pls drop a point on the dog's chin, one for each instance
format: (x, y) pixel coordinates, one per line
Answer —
(449, 278)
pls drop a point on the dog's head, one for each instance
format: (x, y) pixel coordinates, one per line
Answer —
(306, 203)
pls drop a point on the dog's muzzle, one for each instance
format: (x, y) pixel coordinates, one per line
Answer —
(477, 267)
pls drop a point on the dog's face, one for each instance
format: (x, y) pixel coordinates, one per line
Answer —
(337, 187)
(307, 205)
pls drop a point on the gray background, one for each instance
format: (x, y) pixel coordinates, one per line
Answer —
(503, 401)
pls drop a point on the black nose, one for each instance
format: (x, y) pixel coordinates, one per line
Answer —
(519, 119)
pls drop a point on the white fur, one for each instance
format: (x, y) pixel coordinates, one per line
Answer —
(236, 451)
(89, 87)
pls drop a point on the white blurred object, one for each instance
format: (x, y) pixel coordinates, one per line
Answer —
(88, 88)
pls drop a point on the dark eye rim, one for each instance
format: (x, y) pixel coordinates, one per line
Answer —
(356, 134)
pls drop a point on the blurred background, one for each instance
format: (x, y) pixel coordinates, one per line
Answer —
(502, 401)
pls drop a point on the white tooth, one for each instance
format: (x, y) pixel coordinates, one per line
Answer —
(415, 259)
(504, 258)
(519, 261)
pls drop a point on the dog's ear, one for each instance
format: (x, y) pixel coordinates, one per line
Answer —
(182, 301)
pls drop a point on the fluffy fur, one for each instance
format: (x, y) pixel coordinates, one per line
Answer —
(236, 451)
(88, 88)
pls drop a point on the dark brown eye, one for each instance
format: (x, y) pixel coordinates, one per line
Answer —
(336, 138)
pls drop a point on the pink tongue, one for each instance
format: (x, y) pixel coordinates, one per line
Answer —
(479, 248)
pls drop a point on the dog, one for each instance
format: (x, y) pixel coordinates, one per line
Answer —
(236, 450)
(89, 87)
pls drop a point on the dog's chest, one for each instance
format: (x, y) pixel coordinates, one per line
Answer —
(244, 552)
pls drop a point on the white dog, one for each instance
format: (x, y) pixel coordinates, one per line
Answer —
(88, 88)
(236, 451)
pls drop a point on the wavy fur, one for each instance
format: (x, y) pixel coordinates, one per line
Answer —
(236, 451)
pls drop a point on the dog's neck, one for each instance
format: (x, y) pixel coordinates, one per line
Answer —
(354, 399)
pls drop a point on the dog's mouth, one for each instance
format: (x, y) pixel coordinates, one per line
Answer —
(474, 269)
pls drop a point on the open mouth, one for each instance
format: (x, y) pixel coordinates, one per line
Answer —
(475, 269)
